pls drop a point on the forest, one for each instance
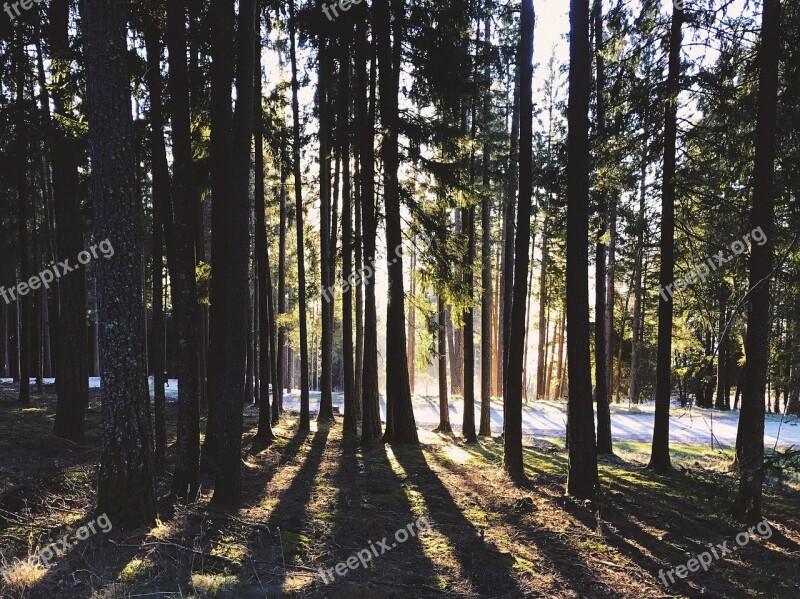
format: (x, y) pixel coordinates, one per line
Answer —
(400, 298)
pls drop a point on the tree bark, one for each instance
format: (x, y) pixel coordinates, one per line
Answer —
(659, 458)
(750, 437)
(231, 138)
(186, 478)
(601, 388)
(512, 450)
(125, 485)
(267, 358)
(582, 479)
(72, 366)
(365, 106)
(400, 424)
(305, 417)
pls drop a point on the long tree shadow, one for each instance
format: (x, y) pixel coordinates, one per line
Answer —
(372, 505)
(485, 567)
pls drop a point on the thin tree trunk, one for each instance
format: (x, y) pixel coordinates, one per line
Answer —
(305, 417)
(365, 103)
(441, 335)
(267, 358)
(350, 426)
(20, 65)
(540, 353)
(659, 458)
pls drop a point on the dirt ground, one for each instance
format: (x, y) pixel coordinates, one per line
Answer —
(310, 502)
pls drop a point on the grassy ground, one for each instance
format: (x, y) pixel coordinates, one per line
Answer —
(310, 503)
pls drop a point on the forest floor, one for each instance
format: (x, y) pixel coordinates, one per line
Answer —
(311, 502)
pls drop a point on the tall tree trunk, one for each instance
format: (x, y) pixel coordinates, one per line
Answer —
(582, 480)
(20, 65)
(186, 478)
(507, 259)
(230, 238)
(560, 363)
(305, 417)
(468, 427)
(280, 378)
(659, 458)
(636, 327)
(441, 335)
(125, 485)
(72, 365)
(486, 248)
(359, 298)
(411, 321)
(350, 426)
(542, 345)
(512, 450)
(722, 350)
(371, 416)
(161, 208)
(601, 370)
(267, 358)
(159, 349)
(400, 424)
(750, 437)
(326, 257)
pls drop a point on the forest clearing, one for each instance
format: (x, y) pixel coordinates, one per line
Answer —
(400, 298)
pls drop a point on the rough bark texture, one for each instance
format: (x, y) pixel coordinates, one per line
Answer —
(750, 437)
(125, 485)
(512, 450)
(582, 479)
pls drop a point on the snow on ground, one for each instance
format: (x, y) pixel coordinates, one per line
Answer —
(548, 419)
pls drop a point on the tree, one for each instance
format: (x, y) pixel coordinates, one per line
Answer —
(601, 349)
(72, 381)
(125, 486)
(750, 436)
(582, 480)
(186, 479)
(266, 357)
(230, 247)
(305, 418)
(365, 111)
(659, 458)
(512, 450)
(20, 65)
